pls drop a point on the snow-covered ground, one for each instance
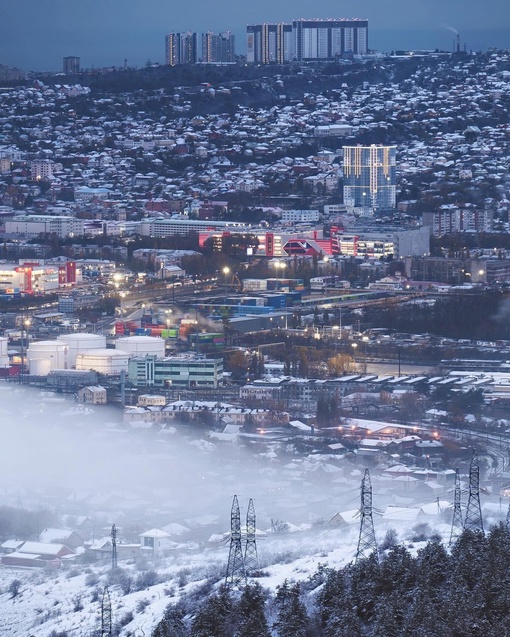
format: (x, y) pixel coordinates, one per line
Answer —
(87, 465)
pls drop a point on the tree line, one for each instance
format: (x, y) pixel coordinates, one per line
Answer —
(431, 592)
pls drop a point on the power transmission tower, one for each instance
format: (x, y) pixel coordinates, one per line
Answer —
(236, 573)
(251, 558)
(457, 511)
(366, 542)
(473, 521)
(113, 535)
(106, 614)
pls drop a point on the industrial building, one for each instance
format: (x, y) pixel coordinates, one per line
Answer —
(36, 277)
(171, 227)
(176, 371)
(34, 225)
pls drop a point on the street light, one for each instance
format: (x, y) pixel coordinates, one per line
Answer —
(226, 272)
(354, 346)
(279, 265)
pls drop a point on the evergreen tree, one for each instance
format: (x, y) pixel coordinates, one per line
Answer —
(250, 614)
(214, 618)
(292, 619)
(172, 624)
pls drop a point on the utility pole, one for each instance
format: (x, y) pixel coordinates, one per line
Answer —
(236, 572)
(251, 558)
(366, 542)
(113, 535)
(457, 524)
(473, 521)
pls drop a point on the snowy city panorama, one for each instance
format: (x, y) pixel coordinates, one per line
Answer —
(255, 319)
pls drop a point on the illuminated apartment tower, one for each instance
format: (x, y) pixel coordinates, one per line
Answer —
(320, 39)
(370, 177)
(269, 43)
(181, 48)
(218, 48)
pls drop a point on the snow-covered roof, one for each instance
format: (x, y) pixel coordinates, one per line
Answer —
(155, 533)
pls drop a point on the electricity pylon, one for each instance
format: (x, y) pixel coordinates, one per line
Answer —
(236, 572)
(366, 543)
(251, 558)
(457, 524)
(473, 521)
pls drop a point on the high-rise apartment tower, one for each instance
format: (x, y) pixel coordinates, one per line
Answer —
(181, 48)
(218, 48)
(71, 65)
(269, 43)
(370, 177)
(320, 39)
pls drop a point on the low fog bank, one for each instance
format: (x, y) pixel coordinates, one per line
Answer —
(77, 463)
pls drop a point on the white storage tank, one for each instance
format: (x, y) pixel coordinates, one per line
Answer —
(81, 342)
(142, 345)
(43, 356)
(4, 355)
(103, 361)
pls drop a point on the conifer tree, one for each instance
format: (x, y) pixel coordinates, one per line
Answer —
(214, 618)
(250, 613)
(292, 619)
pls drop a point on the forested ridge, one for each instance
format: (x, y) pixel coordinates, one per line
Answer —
(431, 592)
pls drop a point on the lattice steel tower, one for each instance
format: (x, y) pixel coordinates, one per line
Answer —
(106, 614)
(457, 524)
(473, 521)
(251, 558)
(366, 542)
(236, 572)
(113, 535)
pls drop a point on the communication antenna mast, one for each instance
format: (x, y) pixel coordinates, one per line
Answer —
(251, 558)
(113, 535)
(236, 573)
(473, 521)
(106, 614)
(366, 542)
(457, 511)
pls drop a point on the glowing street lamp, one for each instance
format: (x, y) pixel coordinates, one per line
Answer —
(226, 272)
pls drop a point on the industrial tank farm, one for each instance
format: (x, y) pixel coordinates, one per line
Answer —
(105, 361)
(81, 342)
(142, 345)
(44, 356)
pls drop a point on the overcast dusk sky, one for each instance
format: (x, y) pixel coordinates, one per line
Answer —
(36, 34)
